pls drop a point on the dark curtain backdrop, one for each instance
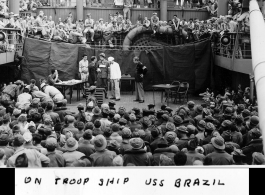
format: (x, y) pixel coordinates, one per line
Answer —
(186, 63)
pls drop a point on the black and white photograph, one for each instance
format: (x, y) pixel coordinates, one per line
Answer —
(154, 88)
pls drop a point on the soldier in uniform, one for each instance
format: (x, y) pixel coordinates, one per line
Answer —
(141, 70)
(11, 92)
(103, 73)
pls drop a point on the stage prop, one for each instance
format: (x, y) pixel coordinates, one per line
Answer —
(186, 63)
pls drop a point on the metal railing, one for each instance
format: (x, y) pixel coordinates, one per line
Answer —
(238, 47)
(13, 40)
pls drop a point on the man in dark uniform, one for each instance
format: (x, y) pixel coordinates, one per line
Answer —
(141, 70)
(103, 73)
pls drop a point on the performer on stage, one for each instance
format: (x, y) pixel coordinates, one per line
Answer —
(140, 71)
(103, 73)
(92, 71)
(115, 76)
(83, 69)
(53, 77)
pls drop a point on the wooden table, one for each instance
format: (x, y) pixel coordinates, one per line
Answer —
(166, 87)
(71, 85)
(131, 83)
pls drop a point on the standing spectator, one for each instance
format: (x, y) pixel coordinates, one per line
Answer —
(127, 9)
(141, 71)
(115, 76)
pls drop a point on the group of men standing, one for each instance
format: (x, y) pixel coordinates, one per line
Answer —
(101, 72)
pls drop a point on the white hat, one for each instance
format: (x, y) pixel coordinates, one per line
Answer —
(15, 15)
(110, 59)
(27, 136)
(42, 85)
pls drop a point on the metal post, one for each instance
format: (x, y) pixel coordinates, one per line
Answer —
(257, 31)
(252, 85)
(14, 6)
(163, 10)
(222, 8)
(79, 10)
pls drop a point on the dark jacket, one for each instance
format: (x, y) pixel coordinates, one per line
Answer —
(103, 65)
(255, 145)
(92, 74)
(136, 157)
(86, 147)
(219, 158)
(56, 159)
(125, 145)
(103, 158)
(140, 69)
(157, 153)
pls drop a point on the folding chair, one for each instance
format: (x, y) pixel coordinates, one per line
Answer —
(183, 91)
(173, 92)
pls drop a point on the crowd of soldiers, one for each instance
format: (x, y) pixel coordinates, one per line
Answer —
(38, 130)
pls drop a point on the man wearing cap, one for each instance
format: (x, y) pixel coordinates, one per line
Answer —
(11, 92)
(71, 153)
(70, 127)
(103, 73)
(55, 156)
(83, 69)
(115, 76)
(125, 145)
(35, 158)
(52, 91)
(43, 97)
(255, 144)
(104, 120)
(102, 157)
(219, 156)
(81, 116)
(183, 138)
(192, 154)
(162, 149)
(238, 157)
(89, 25)
(85, 146)
(140, 72)
(137, 155)
(28, 141)
(134, 125)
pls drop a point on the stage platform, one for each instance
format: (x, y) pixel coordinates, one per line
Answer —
(127, 101)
